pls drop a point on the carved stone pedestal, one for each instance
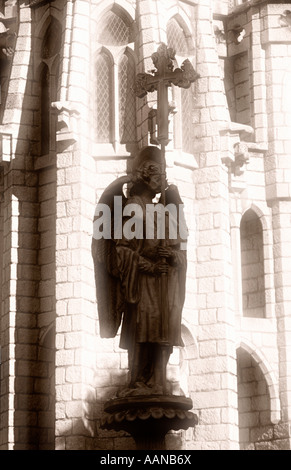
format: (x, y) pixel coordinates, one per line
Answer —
(148, 418)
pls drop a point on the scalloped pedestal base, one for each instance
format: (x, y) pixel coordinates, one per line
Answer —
(149, 418)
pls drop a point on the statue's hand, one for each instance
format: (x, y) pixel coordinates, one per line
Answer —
(168, 254)
(165, 252)
(161, 268)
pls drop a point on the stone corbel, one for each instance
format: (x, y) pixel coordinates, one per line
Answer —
(237, 169)
(235, 153)
(68, 118)
(230, 134)
(241, 158)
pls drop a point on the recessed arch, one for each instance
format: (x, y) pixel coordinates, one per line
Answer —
(177, 13)
(42, 25)
(252, 265)
(190, 342)
(260, 214)
(265, 367)
(49, 24)
(179, 362)
(51, 42)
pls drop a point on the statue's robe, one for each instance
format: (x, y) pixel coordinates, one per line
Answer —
(142, 318)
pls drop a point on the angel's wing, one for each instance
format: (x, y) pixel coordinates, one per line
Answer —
(108, 288)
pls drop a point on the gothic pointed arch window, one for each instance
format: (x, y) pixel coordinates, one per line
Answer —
(115, 71)
(115, 29)
(104, 111)
(179, 41)
(127, 112)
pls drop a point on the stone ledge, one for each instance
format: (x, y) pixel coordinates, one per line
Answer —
(148, 418)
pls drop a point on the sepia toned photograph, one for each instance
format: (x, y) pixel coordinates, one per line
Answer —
(145, 228)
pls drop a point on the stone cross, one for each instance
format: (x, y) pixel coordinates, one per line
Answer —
(159, 80)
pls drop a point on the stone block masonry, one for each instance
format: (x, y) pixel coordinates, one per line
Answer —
(56, 371)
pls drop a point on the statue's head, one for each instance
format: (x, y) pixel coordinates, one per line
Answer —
(147, 170)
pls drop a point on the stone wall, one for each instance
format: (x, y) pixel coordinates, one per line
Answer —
(56, 371)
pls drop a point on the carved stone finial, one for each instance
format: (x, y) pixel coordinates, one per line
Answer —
(163, 58)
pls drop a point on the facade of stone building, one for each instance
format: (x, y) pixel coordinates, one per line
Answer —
(69, 125)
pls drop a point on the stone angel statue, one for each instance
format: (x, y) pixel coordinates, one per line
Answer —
(129, 262)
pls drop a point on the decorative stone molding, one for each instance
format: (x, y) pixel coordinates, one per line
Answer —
(149, 418)
(67, 127)
(266, 368)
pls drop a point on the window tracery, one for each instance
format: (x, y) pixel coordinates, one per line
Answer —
(104, 98)
(115, 103)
